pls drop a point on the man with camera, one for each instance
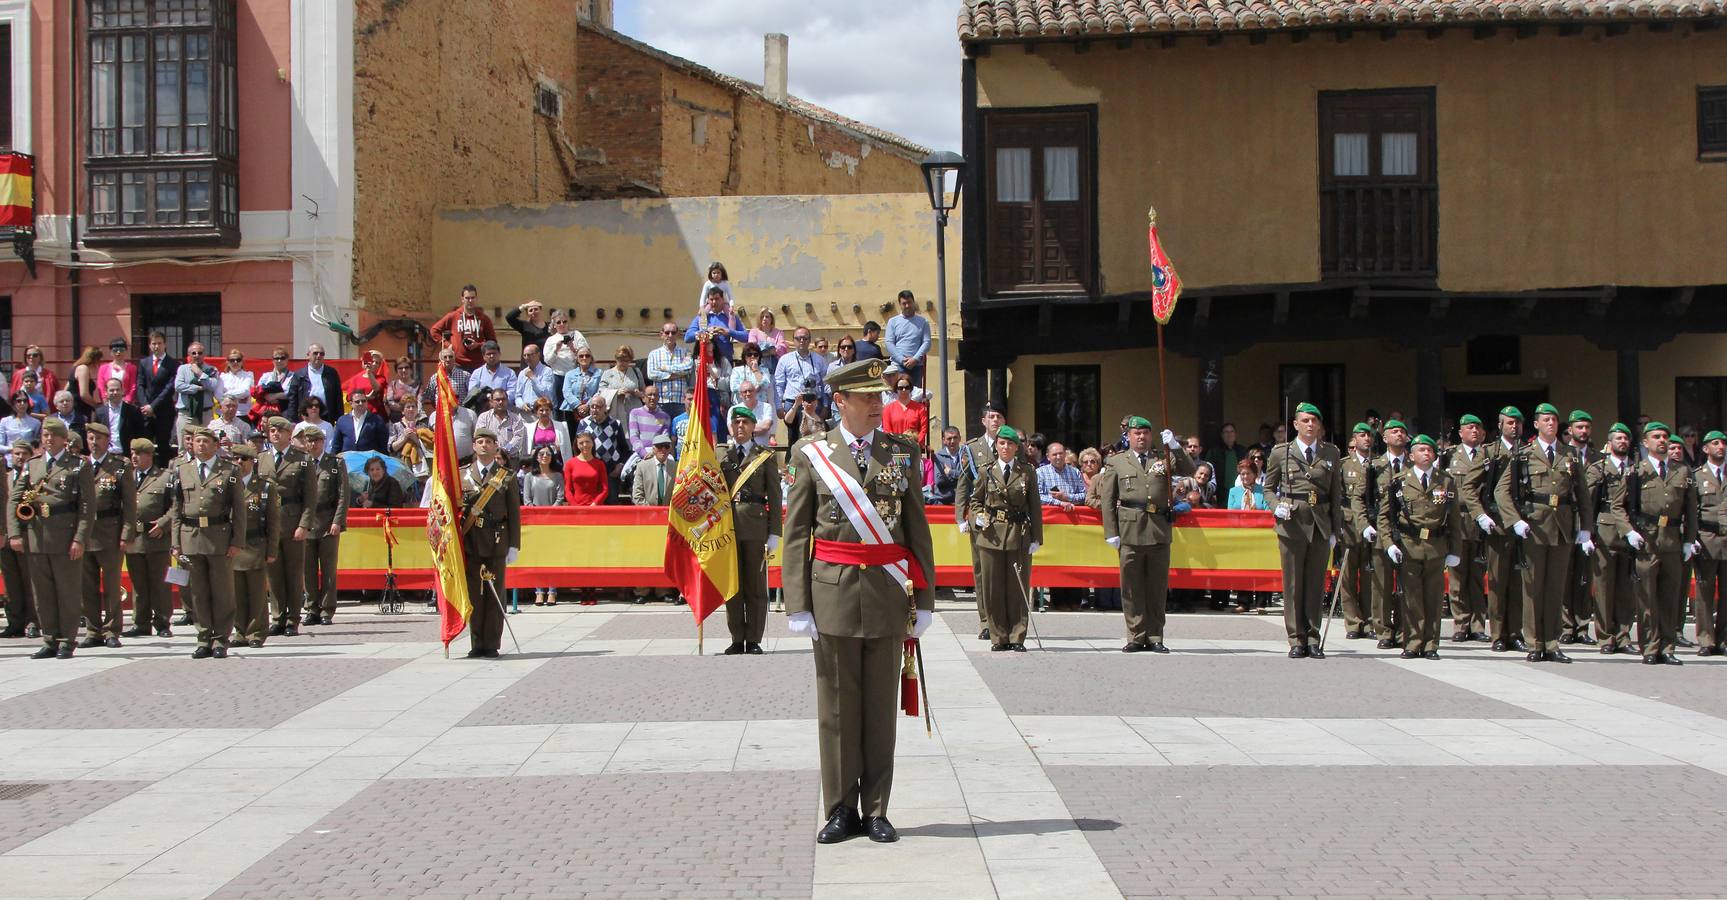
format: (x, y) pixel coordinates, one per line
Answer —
(466, 329)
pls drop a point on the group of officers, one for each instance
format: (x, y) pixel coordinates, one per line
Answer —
(251, 534)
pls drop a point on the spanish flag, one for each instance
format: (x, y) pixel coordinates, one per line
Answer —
(701, 547)
(443, 524)
(17, 203)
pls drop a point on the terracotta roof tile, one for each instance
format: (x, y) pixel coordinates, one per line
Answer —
(1020, 20)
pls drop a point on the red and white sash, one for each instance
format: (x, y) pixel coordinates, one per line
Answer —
(855, 504)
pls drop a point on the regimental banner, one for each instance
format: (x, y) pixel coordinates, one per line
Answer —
(616, 546)
(1165, 284)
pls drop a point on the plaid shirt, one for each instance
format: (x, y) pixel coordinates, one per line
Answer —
(674, 385)
(610, 444)
(1072, 484)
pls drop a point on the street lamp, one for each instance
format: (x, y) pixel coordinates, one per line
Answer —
(936, 166)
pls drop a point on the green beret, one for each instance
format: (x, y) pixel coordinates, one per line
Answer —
(485, 433)
(1622, 428)
(1547, 409)
(1308, 408)
(55, 427)
(1138, 422)
(1512, 412)
(1714, 436)
(143, 445)
(98, 428)
(243, 451)
(1009, 432)
(1578, 415)
(743, 412)
(861, 377)
(1361, 428)
(27, 447)
(1469, 419)
(1393, 423)
(1656, 426)
(1424, 439)
(200, 431)
(278, 422)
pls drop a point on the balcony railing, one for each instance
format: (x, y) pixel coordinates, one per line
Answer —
(1379, 230)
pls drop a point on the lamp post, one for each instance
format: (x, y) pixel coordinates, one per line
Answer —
(935, 169)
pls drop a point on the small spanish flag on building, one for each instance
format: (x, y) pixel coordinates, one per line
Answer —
(17, 200)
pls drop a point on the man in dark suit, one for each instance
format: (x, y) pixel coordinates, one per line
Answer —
(360, 429)
(123, 420)
(316, 380)
(156, 396)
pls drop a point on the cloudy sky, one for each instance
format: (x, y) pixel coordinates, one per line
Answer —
(893, 64)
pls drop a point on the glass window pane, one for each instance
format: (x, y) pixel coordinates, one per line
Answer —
(167, 198)
(1349, 155)
(197, 197)
(1397, 154)
(132, 201)
(1013, 175)
(1061, 174)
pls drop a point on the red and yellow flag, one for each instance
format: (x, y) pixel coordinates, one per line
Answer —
(17, 203)
(443, 522)
(701, 547)
(1165, 284)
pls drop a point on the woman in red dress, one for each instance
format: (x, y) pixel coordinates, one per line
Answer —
(585, 484)
(905, 415)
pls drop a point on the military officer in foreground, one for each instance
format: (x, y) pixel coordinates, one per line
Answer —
(1468, 593)
(1356, 498)
(1538, 495)
(61, 490)
(148, 537)
(973, 455)
(1660, 505)
(1504, 579)
(1303, 475)
(263, 532)
(1135, 500)
(116, 503)
(1422, 524)
(1007, 525)
(1603, 496)
(491, 540)
(754, 479)
(287, 467)
(1710, 604)
(322, 523)
(846, 589)
(210, 529)
(20, 607)
(1579, 597)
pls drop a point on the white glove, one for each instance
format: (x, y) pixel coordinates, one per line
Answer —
(921, 626)
(1032, 550)
(1113, 542)
(1281, 512)
(1522, 528)
(510, 558)
(1687, 551)
(1635, 540)
(803, 624)
(1452, 560)
(1331, 543)
(1486, 523)
(1169, 440)
(965, 528)
(1370, 534)
(772, 544)
(1395, 553)
(1588, 547)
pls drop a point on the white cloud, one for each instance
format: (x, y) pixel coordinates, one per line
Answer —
(894, 64)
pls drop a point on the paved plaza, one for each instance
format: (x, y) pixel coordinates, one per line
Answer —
(608, 760)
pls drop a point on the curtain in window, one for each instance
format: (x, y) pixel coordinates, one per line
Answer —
(1061, 174)
(1349, 154)
(1013, 175)
(1397, 154)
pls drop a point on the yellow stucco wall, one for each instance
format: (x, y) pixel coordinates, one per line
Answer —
(1562, 161)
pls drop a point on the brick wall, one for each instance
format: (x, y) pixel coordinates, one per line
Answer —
(618, 105)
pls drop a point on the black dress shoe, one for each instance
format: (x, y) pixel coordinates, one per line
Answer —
(1500, 647)
(311, 620)
(1651, 660)
(1481, 636)
(983, 635)
(65, 651)
(1685, 642)
(1299, 651)
(476, 654)
(183, 621)
(1459, 637)
(1568, 639)
(278, 629)
(735, 648)
(48, 651)
(492, 654)
(882, 831)
(94, 640)
(1668, 659)
(219, 651)
(1520, 645)
(1536, 656)
(1017, 648)
(32, 632)
(1607, 650)
(292, 631)
(1313, 652)
(201, 652)
(753, 649)
(135, 632)
(164, 632)
(112, 642)
(1586, 639)
(1431, 654)
(1557, 656)
(1386, 644)
(1158, 647)
(1628, 649)
(1134, 647)
(841, 825)
(255, 643)
(12, 633)
(1408, 654)
(998, 648)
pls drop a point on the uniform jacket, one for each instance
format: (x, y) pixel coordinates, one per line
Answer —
(1551, 494)
(1357, 494)
(1462, 469)
(1483, 480)
(1309, 491)
(263, 515)
(205, 511)
(327, 500)
(116, 501)
(856, 601)
(1710, 491)
(67, 493)
(1663, 510)
(1006, 513)
(153, 506)
(756, 505)
(1603, 500)
(1408, 511)
(497, 525)
(295, 480)
(1134, 500)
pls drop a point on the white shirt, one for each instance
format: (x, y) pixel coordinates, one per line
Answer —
(237, 385)
(315, 375)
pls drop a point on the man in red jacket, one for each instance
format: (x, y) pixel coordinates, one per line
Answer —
(466, 329)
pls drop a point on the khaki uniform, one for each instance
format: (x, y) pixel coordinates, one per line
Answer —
(1579, 593)
(295, 480)
(263, 514)
(973, 455)
(1611, 565)
(65, 491)
(20, 604)
(1546, 494)
(1504, 581)
(1710, 604)
(755, 517)
(147, 555)
(1386, 612)
(860, 612)
(1467, 590)
(1358, 497)
(1664, 511)
(1426, 522)
(1134, 501)
(497, 526)
(326, 504)
(1309, 491)
(207, 522)
(1006, 519)
(116, 503)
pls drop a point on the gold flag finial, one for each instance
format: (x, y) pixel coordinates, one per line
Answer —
(1151, 216)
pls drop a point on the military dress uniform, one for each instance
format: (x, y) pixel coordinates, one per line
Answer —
(116, 504)
(20, 604)
(756, 502)
(1467, 590)
(1357, 497)
(263, 515)
(973, 454)
(149, 538)
(1306, 482)
(1387, 616)
(1611, 565)
(490, 531)
(291, 471)
(208, 521)
(860, 610)
(1660, 503)
(1422, 518)
(1504, 582)
(1710, 564)
(1135, 500)
(1006, 521)
(63, 489)
(1579, 592)
(326, 504)
(1542, 486)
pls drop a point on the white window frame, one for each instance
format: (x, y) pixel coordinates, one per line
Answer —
(16, 13)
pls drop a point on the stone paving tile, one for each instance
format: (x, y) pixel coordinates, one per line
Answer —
(1109, 625)
(410, 627)
(1694, 686)
(1391, 831)
(643, 836)
(60, 803)
(1223, 684)
(188, 693)
(657, 689)
(630, 626)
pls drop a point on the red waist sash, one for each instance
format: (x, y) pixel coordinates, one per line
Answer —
(846, 553)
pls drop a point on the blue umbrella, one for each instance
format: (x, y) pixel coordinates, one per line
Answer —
(356, 461)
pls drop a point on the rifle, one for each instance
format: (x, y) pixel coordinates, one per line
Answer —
(1398, 516)
(1372, 500)
(1519, 494)
(1634, 503)
(1480, 557)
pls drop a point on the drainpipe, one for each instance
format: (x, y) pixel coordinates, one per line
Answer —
(75, 275)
